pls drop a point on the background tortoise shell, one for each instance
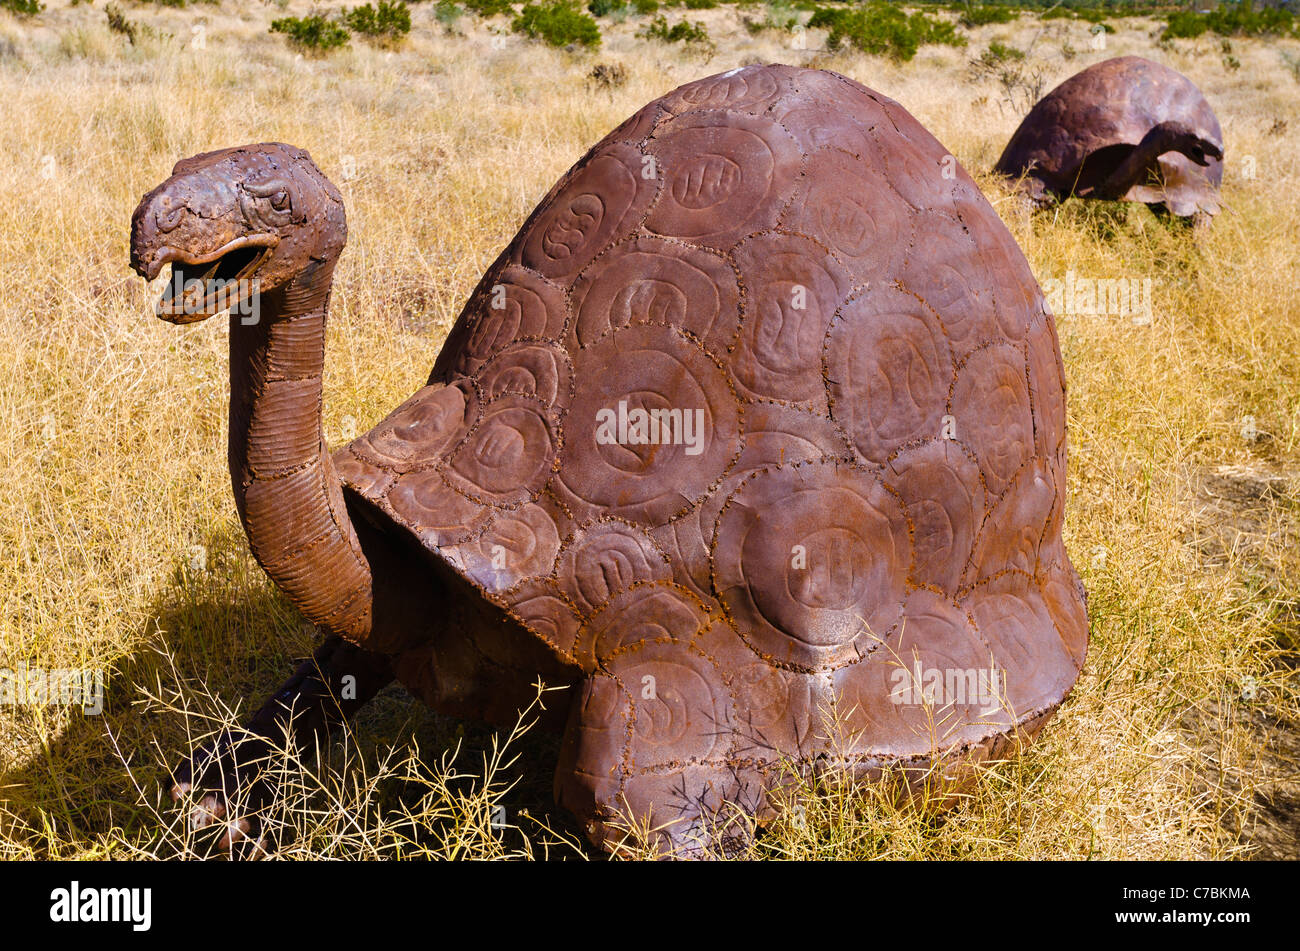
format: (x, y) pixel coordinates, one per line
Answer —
(1111, 106)
(880, 480)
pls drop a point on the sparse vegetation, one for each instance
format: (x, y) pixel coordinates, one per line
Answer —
(884, 29)
(608, 75)
(448, 13)
(313, 34)
(999, 53)
(779, 15)
(1239, 18)
(388, 21)
(489, 8)
(118, 23)
(981, 14)
(604, 8)
(1020, 80)
(681, 32)
(560, 23)
(22, 8)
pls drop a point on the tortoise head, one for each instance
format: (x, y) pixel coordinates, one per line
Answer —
(1200, 147)
(233, 224)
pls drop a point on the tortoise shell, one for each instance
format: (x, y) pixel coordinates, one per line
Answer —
(759, 416)
(1097, 115)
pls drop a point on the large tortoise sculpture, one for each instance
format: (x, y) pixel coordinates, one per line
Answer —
(754, 436)
(1126, 128)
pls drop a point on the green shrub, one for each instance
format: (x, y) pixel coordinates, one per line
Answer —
(984, 13)
(604, 8)
(134, 32)
(646, 7)
(883, 29)
(699, 4)
(560, 23)
(23, 8)
(448, 12)
(313, 34)
(489, 8)
(390, 20)
(1231, 19)
(780, 16)
(1184, 24)
(1000, 53)
(683, 32)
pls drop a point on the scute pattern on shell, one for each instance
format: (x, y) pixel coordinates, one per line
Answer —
(880, 466)
(1112, 103)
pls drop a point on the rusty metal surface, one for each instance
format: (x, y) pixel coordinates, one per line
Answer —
(1128, 107)
(756, 427)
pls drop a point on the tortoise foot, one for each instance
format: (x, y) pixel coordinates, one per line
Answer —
(225, 784)
(230, 780)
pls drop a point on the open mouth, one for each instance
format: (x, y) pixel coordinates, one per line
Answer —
(1206, 154)
(202, 286)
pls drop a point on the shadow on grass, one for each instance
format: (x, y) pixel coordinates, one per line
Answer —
(222, 640)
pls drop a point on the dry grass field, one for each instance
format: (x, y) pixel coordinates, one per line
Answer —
(120, 549)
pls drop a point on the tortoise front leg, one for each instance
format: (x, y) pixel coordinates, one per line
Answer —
(647, 759)
(230, 771)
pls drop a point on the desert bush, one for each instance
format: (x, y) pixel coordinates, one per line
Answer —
(1292, 62)
(884, 30)
(779, 15)
(646, 7)
(999, 53)
(1231, 19)
(1184, 24)
(489, 8)
(313, 34)
(605, 8)
(389, 21)
(448, 12)
(683, 32)
(1020, 80)
(560, 23)
(118, 23)
(984, 13)
(134, 32)
(608, 75)
(22, 8)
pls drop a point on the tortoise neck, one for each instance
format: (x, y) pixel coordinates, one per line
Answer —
(281, 342)
(286, 490)
(1138, 168)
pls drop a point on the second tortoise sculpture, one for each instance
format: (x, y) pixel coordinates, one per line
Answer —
(1127, 128)
(755, 427)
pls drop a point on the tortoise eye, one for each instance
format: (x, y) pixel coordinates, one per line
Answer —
(280, 200)
(169, 218)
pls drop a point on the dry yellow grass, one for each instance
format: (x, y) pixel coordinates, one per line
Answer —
(1178, 735)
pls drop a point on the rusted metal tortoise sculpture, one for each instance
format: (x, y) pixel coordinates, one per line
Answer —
(1126, 128)
(754, 435)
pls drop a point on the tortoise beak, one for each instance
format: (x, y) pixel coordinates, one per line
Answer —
(202, 285)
